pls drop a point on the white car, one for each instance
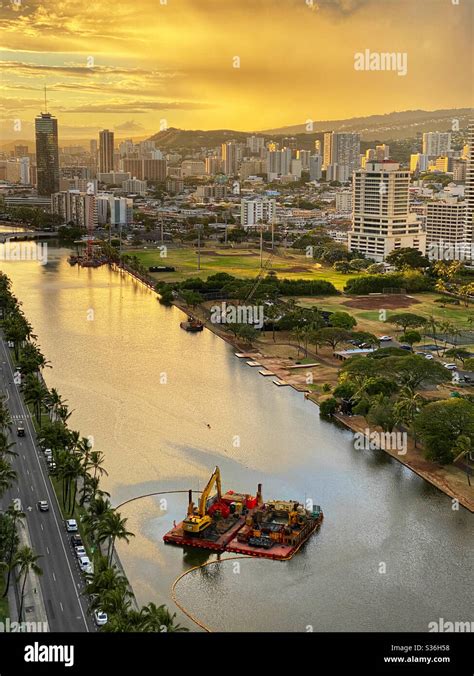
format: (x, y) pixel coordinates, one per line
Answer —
(100, 618)
(11, 343)
(384, 339)
(80, 551)
(71, 525)
(429, 356)
(450, 367)
(84, 563)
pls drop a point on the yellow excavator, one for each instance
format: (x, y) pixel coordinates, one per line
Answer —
(197, 520)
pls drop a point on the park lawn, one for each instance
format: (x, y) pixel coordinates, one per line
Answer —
(368, 320)
(241, 263)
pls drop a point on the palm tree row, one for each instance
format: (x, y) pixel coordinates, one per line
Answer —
(78, 470)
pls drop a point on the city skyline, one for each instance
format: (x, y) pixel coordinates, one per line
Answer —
(252, 66)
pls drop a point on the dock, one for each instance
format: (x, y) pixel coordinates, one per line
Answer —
(266, 372)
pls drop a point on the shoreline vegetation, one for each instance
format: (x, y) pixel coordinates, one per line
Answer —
(320, 381)
(75, 473)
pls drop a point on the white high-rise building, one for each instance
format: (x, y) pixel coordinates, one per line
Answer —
(25, 170)
(75, 207)
(381, 221)
(255, 144)
(304, 156)
(315, 167)
(436, 143)
(279, 162)
(342, 148)
(445, 224)
(230, 158)
(254, 210)
(344, 201)
(419, 162)
(469, 194)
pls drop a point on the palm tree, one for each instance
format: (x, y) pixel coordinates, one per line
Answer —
(96, 460)
(14, 514)
(113, 527)
(6, 446)
(159, 619)
(407, 407)
(27, 561)
(7, 476)
(464, 446)
(36, 393)
(99, 508)
(5, 416)
(55, 403)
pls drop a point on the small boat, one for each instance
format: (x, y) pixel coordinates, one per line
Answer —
(192, 325)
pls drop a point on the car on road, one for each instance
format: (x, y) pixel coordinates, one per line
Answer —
(84, 563)
(76, 540)
(429, 356)
(406, 347)
(43, 506)
(20, 431)
(450, 367)
(384, 339)
(11, 343)
(100, 618)
(80, 551)
(51, 466)
(71, 525)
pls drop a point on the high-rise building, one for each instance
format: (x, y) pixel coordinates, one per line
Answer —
(445, 224)
(342, 148)
(418, 162)
(304, 156)
(21, 151)
(469, 229)
(344, 201)
(382, 152)
(47, 154)
(75, 207)
(106, 151)
(381, 221)
(192, 168)
(145, 169)
(315, 167)
(255, 144)
(213, 165)
(436, 143)
(255, 210)
(230, 158)
(278, 162)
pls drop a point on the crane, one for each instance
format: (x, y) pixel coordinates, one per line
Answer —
(197, 520)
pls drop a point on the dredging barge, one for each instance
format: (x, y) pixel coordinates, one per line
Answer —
(244, 524)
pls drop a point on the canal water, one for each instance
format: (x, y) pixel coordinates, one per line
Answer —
(166, 406)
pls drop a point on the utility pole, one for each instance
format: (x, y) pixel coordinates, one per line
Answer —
(199, 248)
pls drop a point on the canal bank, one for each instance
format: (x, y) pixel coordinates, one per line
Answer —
(148, 390)
(449, 479)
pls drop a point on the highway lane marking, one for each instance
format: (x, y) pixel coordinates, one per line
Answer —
(47, 550)
(28, 424)
(54, 576)
(42, 529)
(27, 470)
(61, 606)
(32, 488)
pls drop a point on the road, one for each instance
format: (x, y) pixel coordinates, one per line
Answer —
(61, 581)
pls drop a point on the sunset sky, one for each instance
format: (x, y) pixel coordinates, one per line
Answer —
(174, 62)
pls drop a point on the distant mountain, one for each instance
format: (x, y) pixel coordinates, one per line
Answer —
(392, 126)
(399, 125)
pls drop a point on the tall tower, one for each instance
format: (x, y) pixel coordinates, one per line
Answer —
(229, 157)
(381, 221)
(106, 151)
(469, 228)
(47, 154)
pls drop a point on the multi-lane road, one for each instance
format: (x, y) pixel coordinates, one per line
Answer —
(61, 583)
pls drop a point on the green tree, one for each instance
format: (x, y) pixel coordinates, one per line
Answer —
(112, 528)
(410, 337)
(342, 320)
(407, 258)
(407, 320)
(26, 561)
(7, 476)
(333, 336)
(441, 423)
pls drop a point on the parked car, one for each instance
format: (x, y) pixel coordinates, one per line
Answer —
(80, 551)
(384, 339)
(408, 348)
(100, 618)
(450, 367)
(429, 356)
(71, 525)
(43, 506)
(76, 540)
(84, 563)
(11, 343)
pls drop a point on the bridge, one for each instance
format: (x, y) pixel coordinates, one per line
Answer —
(27, 235)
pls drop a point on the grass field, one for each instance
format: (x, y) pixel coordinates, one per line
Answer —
(240, 263)
(369, 320)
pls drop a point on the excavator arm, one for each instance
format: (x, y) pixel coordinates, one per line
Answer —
(215, 478)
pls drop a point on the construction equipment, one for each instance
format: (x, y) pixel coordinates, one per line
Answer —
(197, 519)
